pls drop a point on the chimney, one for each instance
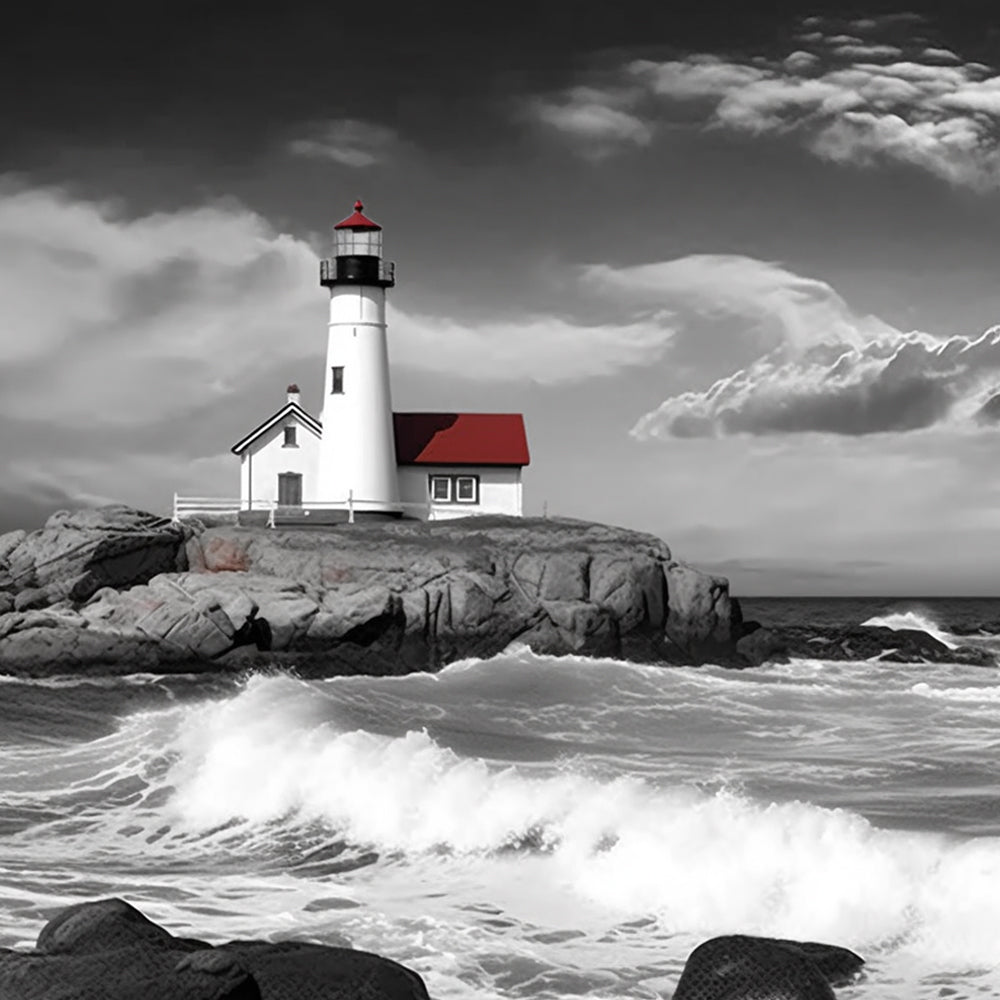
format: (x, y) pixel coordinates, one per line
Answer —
(293, 394)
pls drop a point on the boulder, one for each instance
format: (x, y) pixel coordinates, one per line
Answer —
(108, 949)
(77, 553)
(761, 645)
(738, 966)
(55, 641)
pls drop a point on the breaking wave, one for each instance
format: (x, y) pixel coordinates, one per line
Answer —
(916, 620)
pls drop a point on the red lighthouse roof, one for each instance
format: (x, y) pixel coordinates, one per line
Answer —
(357, 220)
(460, 439)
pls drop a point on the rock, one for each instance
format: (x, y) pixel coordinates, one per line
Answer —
(473, 586)
(761, 645)
(46, 642)
(77, 553)
(31, 599)
(8, 542)
(866, 642)
(108, 949)
(388, 598)
(739, 966)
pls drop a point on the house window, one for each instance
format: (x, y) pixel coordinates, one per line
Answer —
(441, 489)
(467, 489)
(290, 438)
(454, 489)
(337, 379)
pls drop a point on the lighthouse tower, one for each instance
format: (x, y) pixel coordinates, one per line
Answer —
(357, 455)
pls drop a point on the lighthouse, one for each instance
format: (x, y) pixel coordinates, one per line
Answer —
(360, 460)
(357, 453)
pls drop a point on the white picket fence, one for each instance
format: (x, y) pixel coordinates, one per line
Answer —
(187, 506)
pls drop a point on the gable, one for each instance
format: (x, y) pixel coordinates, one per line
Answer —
(289, 409)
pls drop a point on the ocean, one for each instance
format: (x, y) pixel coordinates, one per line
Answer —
(529, 826)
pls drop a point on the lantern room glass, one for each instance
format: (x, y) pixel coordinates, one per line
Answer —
(357, 242)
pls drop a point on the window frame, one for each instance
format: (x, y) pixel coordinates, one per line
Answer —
(452, 480)
(336, 380)
(432, 480)
(290, 438)
(456, 492)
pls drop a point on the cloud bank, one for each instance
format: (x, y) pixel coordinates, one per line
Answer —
(849, 99)
(807, 362)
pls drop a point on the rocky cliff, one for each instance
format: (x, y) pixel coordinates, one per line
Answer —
(119, 589)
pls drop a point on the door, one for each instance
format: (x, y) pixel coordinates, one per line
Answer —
(289, 489)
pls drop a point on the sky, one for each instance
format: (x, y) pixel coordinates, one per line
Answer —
(737, 264)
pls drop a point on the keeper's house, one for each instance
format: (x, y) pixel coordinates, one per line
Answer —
(359, 459)
(447, 464)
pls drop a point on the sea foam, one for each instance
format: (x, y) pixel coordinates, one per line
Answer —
(912, 620)
(275, 756)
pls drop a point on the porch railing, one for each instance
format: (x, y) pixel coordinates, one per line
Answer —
(186, 506)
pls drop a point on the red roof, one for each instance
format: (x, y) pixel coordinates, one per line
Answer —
(357, 220)
(460, 439)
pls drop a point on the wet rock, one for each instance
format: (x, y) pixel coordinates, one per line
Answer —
(108, 949)
(739, 966)
(761, 645)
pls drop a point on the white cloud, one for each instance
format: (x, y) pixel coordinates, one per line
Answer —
(850, 101)
(800, 61)
(937, 53)
(124, 321)
(548, 350)
(695, 77)
(596, 117)
(348, 141)
(801, 359)
(859, 50)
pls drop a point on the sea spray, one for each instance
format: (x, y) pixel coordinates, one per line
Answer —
(534, 827)
(916, 620)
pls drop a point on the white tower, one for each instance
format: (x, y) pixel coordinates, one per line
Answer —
(357, 451)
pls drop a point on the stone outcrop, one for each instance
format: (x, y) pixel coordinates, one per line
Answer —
(392, 597)
(740, 966)
(860, 642)
(78, 552)
(108, 949)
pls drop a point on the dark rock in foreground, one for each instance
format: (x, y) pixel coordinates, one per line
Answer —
(740, 967)
(122, 591)
(109, 950)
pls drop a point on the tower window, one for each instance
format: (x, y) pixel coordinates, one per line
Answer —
(337, 379)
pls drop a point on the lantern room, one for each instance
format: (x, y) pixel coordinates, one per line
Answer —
(357, 249)
(357, 236)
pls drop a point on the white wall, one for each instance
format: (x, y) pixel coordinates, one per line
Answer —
(268, 456)
(358, 453)
(499, 490)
